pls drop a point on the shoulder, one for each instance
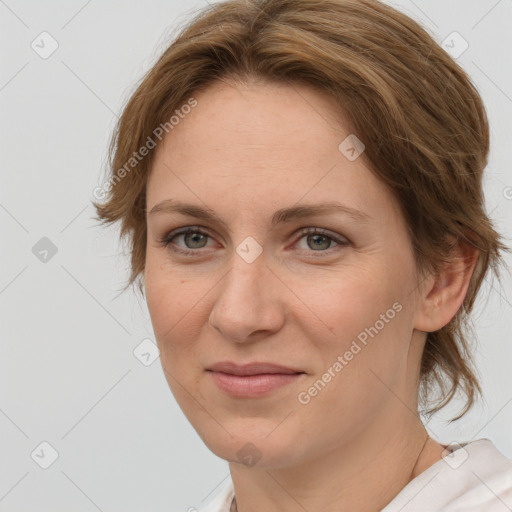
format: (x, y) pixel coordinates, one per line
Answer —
(474, 477)
(485, 478)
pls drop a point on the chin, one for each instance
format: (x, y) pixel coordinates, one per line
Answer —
(252, 446)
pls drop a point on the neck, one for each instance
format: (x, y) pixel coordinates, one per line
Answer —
(360, 474)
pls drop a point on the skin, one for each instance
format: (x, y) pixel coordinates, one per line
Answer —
(246, 151)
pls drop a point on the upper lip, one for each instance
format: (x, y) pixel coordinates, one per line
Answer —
(256, 368)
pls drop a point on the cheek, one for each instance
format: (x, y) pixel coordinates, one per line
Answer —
(358, 366)
(363, 316)
(179, 305)
(342, 304)
(177, 315)
(170, 301)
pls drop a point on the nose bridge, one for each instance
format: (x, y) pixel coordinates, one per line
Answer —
(248, 269)
(244, 283)
(244, 302)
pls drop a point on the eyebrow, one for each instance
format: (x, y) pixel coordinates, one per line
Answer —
(280, 216)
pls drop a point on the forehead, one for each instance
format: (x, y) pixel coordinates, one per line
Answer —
(259, 146)
(262, 119)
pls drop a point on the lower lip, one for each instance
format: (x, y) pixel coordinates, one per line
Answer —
(252, 385)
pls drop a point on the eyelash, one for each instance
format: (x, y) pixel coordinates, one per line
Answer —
(167, 240)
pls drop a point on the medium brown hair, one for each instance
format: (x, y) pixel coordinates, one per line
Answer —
(417, 112)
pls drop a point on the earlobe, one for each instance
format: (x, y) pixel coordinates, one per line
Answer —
(445, 292)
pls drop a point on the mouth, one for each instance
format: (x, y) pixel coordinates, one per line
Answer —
(253, 379)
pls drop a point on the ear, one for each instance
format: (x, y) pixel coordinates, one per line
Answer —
(443, 294)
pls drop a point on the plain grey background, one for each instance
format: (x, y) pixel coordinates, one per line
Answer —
(69, 376)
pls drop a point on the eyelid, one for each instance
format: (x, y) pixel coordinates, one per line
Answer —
(339, 239)
(165, 241)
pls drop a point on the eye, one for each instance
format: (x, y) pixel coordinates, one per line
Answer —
(320, 240)
(193, 237)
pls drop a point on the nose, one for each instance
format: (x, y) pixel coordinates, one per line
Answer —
(247, 304)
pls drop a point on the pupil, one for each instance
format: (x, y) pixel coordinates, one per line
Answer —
(194, 237)
(318, 239)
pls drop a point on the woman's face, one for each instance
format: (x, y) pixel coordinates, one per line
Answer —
(328, 294)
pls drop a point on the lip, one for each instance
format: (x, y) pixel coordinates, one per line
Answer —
(256, 368)
(253, 379)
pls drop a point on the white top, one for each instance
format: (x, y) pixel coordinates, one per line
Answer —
(474, 477)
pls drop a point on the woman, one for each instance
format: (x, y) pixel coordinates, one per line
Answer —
(301, 185)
